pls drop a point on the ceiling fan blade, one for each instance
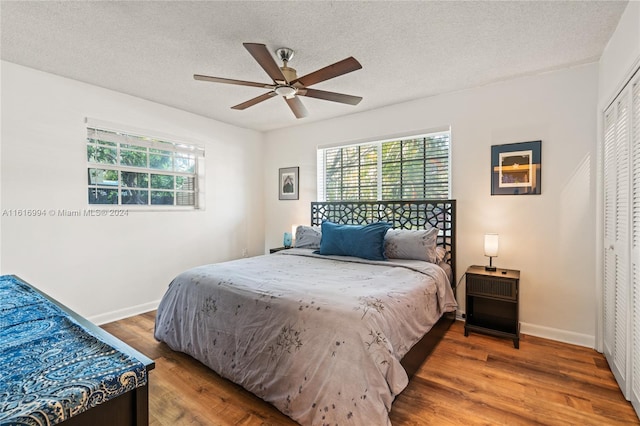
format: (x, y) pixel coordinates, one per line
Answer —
(330, 96)
(256, 100)
(266, 61)
(296, 106)
(339, 68)
(231, 81)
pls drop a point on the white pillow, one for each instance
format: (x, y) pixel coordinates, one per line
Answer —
(308, 237)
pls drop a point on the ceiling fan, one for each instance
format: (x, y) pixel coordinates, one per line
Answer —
(287, 84)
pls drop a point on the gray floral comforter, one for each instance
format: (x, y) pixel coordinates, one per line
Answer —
(319, 337)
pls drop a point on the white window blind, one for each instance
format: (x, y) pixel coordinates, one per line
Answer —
(415, 167)
(136, 170)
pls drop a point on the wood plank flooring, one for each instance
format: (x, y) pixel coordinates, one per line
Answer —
(477, 380)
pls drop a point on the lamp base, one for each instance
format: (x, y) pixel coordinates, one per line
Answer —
(490, 268)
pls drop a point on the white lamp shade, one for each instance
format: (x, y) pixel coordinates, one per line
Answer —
(491, 245)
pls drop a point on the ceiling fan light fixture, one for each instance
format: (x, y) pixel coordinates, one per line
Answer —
(285, 54)
(286, 91)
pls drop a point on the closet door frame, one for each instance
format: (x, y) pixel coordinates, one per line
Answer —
(618, 218)
(616, 242)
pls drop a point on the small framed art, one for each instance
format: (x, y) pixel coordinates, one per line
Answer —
(288, 183)
(516, 168)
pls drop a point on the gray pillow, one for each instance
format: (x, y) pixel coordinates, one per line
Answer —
(411, 244)
(441, 254)
(308, 237)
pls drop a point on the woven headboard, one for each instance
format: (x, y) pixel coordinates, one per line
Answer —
(402, 214)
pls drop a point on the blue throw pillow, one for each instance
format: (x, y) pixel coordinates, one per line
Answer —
(365, 241)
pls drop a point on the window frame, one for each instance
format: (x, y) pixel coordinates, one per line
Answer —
(378, 143)
(114, 136)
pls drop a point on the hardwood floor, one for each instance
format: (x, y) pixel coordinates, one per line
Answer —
(477, 380)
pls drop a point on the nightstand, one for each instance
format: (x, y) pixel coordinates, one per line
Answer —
(492, 300)
(277, 249)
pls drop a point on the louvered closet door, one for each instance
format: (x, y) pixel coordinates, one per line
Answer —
(635, 245)
(616, 239)
(609, 230)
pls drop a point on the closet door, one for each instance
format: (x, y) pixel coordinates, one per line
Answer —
(616, 239)
(609, 231)
(635, 245)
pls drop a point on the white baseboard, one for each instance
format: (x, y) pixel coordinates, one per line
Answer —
(565, 336)
(550, 333)
(124, 313)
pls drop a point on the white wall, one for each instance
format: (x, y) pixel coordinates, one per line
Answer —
(620, 59)
(549, 237)
(111, 267)
(621, 55)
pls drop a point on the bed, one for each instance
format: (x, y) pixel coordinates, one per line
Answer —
(58, 368)
(325, 334)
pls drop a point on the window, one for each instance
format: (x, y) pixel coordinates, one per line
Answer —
(128, 169)
(415, 167)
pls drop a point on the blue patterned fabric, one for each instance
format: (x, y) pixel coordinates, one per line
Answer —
(51, 367)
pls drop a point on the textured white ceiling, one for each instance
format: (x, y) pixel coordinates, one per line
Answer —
(408, 50)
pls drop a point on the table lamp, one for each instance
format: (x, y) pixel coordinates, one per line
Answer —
(490, 249)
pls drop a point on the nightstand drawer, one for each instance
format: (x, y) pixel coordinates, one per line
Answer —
(491, 287)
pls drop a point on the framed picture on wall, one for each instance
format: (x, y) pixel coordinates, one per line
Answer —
(288, 183)
(516, 168)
